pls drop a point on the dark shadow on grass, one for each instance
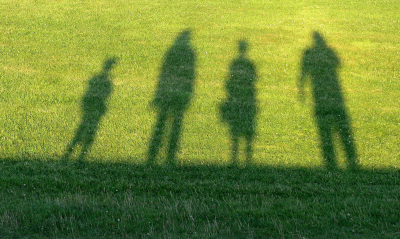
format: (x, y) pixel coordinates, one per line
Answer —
(272, 202)
(93, 107)
(320, 64)
(174, 91)
(240, 108)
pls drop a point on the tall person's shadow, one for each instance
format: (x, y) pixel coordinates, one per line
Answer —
(239, 110)
(320, 64)
(174, 91)
(93, 108)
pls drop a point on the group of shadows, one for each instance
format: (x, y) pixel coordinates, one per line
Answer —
(239, 109)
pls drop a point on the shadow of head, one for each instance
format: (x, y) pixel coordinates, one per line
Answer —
(318, 39)
(243, 45)
(184, 37)
(109, 63)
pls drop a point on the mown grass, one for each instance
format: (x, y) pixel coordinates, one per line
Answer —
(51, 50)
(108, 200)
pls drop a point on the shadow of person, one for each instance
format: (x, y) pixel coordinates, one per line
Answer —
(93, 108)
(174, 91)
(240, 108)
(320, 63)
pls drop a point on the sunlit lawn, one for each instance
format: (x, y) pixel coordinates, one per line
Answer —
(51, 50)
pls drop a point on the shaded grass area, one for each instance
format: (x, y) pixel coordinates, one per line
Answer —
(51, 198)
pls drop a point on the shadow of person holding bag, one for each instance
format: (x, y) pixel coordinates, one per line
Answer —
(320, 64)
(240, 108)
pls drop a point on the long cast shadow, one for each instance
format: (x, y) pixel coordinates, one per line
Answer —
(94, 107)
(240, 108)
(174, 91)
(320, 63)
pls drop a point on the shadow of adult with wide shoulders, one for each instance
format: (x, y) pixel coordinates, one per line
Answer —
(173, 94)
(240, 108)
(93, 107)
(320, 63)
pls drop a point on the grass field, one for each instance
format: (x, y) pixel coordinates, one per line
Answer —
(58, 56)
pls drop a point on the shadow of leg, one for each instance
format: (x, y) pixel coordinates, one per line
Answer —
(328, 151)
(74, 142)
(175, 135)
(348, 143)
(235, 149)
(249, 148)
(85, 149)
(156, 138)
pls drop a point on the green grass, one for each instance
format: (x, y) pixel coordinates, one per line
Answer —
(53, 199)
(50, 50)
